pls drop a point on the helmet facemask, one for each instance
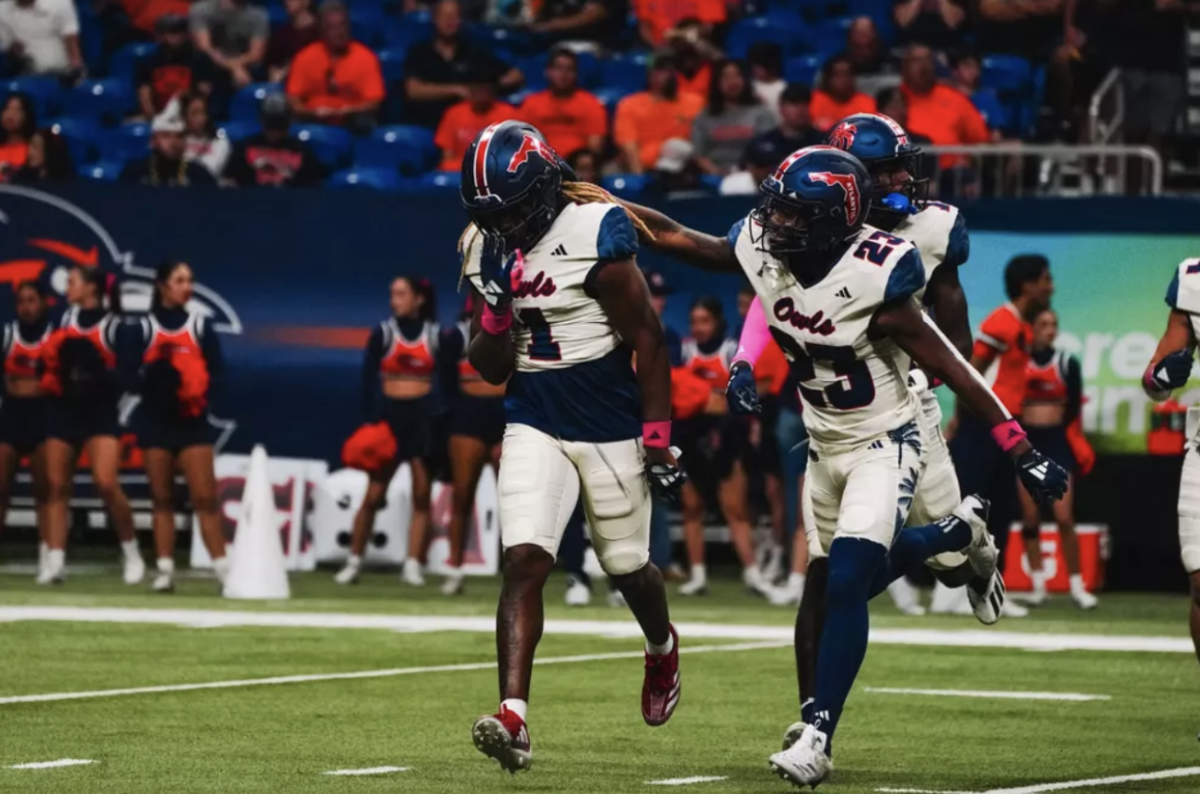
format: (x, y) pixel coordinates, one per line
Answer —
(796, 227)
(523, 221)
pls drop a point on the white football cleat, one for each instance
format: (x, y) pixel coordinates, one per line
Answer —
(696, 585)
(754, 581)
(906, 597)
(1083, 599)
(349, 573)
(51, 575)
(163, 583)
(989, 598)
(452, 584)
(504, 737)
(134, 569)
(411, 574)
(789, 593)
(793, 733)
(805, 763)
(578, 593)
(981, 552)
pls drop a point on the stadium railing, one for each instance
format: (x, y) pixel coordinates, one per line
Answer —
(1009, 169)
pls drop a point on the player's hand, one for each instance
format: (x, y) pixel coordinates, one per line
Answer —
(1171, 372)
(1045, 480)
(663, 470)
(742, 391)
(499, 269)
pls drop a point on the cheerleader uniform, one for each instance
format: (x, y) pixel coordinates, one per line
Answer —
(160, 421)
(23, 419)
(710, 443)
(90, 385)
(475, 417)
(403, 349)
(1054, 378)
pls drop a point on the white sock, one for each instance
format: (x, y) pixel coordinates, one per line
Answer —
(796, 582)
(221, 568)
(698, 572)
(355, 561)
(130, 548)
(56, 559)
(42, 549)
(165, 565)
(1039, 581)
(661, 650)
(1077, 585)
(518, 707)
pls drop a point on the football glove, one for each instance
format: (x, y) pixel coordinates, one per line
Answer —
(1171, 372)
(665, 475)
(498, 270)
(1045, 480)
(742, 391)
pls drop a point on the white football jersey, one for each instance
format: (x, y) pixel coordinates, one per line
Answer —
(574, 379)
(1184, 292)
(854, 388)
(940, 235)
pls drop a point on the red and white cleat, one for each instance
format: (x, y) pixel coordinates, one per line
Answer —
(660, 690)
(504, 737)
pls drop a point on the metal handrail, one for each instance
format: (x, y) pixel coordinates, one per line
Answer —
(1104, 155)
(1110, 83)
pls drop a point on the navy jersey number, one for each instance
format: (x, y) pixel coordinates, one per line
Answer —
(876, 248)
(542, 347)
(856, 391)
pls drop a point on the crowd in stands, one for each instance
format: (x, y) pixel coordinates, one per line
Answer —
(670, 94)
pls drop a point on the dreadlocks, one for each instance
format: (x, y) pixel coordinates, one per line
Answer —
(575, 192)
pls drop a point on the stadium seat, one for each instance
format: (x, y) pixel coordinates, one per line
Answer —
(500, 39)
(373, 178)
(401, 148)
(711, 182)
(589, 69)
(80, 135)
(367, 24)
(442, 182)
(783, 29)
(407, 30)
(331, 144)
(125, 60)
(46, 93)
(627, 186)
(803, 69)
(518, 98)
(277, 15)
(107, 101)
(1006, 74)
(391, 63)
(626, 72)
(237, 130)
(534, 69)
(609, 97)
(125, 143)
(992, 109)
(246, 101)
(103, 171)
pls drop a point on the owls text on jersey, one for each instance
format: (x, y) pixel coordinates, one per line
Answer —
(573, 379)
(940, 234)
(1184, 292)
(854, 387)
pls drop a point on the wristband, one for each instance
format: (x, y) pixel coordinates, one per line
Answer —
(1008, 434)
(1148, 381)
(656, 435)
(495, 324)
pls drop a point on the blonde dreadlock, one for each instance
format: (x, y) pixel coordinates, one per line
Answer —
(575, 192)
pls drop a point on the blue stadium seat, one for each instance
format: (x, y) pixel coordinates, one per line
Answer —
(80, 135)
(992, 109)
(627, 186)
(406, 30)
(277, 15)
(830, 35)
(91, 40)
(499, 39)
(783, 29)
(124, 61)
(367, 24)
(401, 148)
(442, 182)
(103, 171)
(803, 69)
(589, 69)
(609, 97)
(711, 182)
(627, 72)
(108, 101)
(46, 93)
(373, 178)
(331, 144)
(534, 69)
(125, 143)
(518, 98)
(1006, 74)
(237, 130)
(391, 63)
(246, 101)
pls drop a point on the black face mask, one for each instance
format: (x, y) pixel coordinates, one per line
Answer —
(525, 221)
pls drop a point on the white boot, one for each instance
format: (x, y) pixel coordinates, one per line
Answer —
(578, 593)
(411, 574)
(134, 565)
(1080, 595)
(788, 594)
(349, 572)
(906, 597)
(452, 584)
(756, 584)
(697, 584)
(164, 582)
(1037, 596)
(805, 763)
(55, 570)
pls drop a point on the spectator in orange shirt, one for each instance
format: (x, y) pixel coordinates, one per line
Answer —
(569, 117)
(17, 124)
(838, 96)
(467, 119)
(336, 80)
(940, 113)
(648, 119)
(694, 53)
(656, 17)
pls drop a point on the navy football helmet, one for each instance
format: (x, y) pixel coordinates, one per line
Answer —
(885, 149)
(816, 200)
(510, 183)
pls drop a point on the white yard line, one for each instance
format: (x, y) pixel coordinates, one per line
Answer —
(1066, 785)
(973, 693)
(304, 679)
(920, 791)
(970, 638)
(53, 764)
(373, 770)
(684, 781)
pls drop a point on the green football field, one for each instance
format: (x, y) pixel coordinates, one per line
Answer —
(385, 681)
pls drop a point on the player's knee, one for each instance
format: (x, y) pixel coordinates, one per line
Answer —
(204, 505)
(1031, 531)
(853, 563)
(526, 564)
(623, 561)
(164, 504)
(107, 488)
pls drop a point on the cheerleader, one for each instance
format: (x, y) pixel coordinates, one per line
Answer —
(1050, 415)
(401, 360)
(476, 430)
(180, 362)
(82, 416)
(23, 412)
(713, 446)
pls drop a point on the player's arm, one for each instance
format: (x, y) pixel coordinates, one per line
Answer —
(944, 293)
(1172, 361)
(492, 352)
(687, 245)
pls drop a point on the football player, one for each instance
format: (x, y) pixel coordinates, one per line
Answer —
(1170, 369)
(562, 308)
(840, 298)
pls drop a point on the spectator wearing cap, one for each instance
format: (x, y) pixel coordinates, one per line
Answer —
(467, 119)
(939, 112)
(942, 24)
(586, 165)
(762, 157)
(336, 80)
(656, 17)
(675, 169)
(734, 115)
(599, 22)
(766, 70)
(41, 36)
(175, 67)
(647, 119)
(838, 95)
(569, 117)
(287, 40)
(694, 54)
(795, 129)
(440, 72)
(273, 158)
(233, 33)
(167, 165)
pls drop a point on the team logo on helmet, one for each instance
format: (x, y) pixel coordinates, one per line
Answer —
(843, 135)
(849, 185)
(530, 145)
